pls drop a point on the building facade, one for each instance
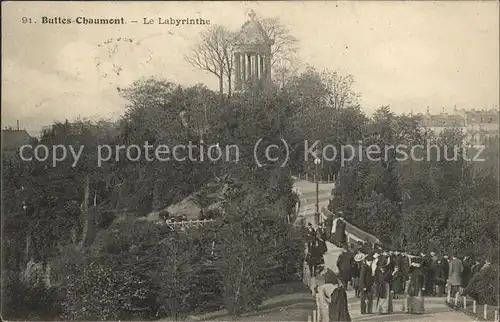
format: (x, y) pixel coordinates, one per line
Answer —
(14, 139)
(478, 126)
(252, 55)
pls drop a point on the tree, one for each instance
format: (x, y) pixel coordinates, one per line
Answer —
(285, 44)
(285, 69)
(213, 53)
(341, 92)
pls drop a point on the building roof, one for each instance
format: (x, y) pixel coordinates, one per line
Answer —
(477, 117)
(443, 120)
(15, 138)
(252, 32)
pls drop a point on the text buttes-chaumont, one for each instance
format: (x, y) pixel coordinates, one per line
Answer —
(83, 21)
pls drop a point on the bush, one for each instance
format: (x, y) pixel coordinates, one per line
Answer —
(23, 301)
(484, 286)
(100, 293)
(176, 264)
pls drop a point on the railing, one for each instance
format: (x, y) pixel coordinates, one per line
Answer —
(181, 225)
(470, 307)
(352, 231)
(316, 314)
(322, 179)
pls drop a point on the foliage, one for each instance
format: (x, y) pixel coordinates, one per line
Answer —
(484, 286)
(431, 204)
(22, 300)
(100, 293)
(176, 265)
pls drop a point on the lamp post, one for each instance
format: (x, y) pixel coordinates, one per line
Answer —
(317, 162)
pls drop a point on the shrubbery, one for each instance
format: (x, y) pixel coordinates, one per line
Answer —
(22, 300)
(101, 293)
(484, 286)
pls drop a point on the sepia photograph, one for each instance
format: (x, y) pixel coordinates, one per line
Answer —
(319, 161)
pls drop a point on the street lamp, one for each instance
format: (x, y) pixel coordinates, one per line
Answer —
(317, 162)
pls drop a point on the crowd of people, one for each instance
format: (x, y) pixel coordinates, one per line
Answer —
(379, 275)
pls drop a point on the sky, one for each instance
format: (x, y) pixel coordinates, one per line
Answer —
(408, 55)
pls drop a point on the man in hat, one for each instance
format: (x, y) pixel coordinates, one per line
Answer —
(467, 272)
(366, 285)
(455, 275)
(321, 234)
(311, 235)
(376, 257)
(416, 286)
(442, 269)
(358, 259)
(433, 268)
(428, 272)
(387, 260)
(345, 263)
(313, 258)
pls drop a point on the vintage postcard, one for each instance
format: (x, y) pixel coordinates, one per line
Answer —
(250, 161)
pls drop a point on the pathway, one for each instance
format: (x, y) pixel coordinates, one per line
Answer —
(307, 192)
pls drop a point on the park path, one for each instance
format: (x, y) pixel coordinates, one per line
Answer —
(307, 193)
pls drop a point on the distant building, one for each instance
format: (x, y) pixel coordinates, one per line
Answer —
(252, 55)
(67, 128)
(481, 125)
(12, 140)
(477, 125)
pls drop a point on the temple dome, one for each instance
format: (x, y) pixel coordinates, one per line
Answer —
(252, 32)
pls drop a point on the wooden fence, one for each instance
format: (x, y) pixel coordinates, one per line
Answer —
(470, 307)
(315, 316)
(186, 224)
(322, 179)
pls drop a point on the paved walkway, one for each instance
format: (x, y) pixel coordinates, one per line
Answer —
(307, 192)
(435, 310)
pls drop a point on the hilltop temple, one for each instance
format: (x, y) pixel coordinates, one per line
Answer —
(252, 55)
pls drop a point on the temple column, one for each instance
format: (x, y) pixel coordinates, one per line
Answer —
(243, 68)
(262, 75)
(252, 67)
(255, 67)
(249, 66)
(250, 57)
(237, 65)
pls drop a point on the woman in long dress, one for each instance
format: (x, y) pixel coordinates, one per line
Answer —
(397, 281)
(337, 301)
(384, 294)
(338, 233)
(414, 297)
